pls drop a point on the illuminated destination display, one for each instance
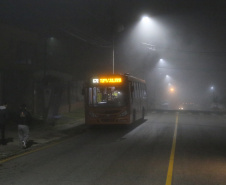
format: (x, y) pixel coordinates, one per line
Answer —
(107, 80)
(95, 81)
(110, 80)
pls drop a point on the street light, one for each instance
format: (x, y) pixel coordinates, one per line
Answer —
(113, 56)
(145, 19)
(161, 60)
(215, 98)
(143, 31)
(172, 90)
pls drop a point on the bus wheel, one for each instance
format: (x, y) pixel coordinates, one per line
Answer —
(134, 115)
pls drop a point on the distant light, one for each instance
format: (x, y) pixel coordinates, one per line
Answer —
(145, 19)
(171, 89)
(52, 38)
(212, 88)
(161, 60)
(52, 41)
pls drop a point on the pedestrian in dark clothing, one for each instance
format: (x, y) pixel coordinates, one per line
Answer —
(3, 121)
(24, 120)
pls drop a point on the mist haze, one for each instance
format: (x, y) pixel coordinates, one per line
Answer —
(188, 36)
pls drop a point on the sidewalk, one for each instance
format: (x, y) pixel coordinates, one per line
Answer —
(40, 134)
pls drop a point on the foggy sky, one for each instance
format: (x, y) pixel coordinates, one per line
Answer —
(188, 35)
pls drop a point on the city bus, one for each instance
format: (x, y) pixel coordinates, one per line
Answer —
(114, 99)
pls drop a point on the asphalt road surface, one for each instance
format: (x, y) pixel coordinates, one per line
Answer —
(167, 148)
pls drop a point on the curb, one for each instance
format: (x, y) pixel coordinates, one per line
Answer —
(51, 135)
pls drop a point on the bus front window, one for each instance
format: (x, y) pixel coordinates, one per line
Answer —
(108, 96)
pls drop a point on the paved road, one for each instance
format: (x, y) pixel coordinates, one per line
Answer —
(168, 148)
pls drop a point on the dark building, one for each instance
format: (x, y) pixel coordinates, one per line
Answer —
(29, 73)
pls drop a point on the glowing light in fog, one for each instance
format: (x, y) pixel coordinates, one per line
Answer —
(172, 90)
(145, 19)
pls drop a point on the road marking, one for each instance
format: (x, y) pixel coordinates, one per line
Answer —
(171, 161)
(29, 152)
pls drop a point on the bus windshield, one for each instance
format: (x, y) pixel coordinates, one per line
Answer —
(107, 96)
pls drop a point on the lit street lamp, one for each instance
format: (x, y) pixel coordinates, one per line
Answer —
(172, 90)
(215, 98)
(145, 19)
(161, 60)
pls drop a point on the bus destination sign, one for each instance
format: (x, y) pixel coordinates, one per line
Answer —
(107, 80)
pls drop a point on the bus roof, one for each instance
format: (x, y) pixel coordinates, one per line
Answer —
(132, 78)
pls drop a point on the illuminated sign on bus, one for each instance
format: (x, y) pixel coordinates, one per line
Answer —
(107, 80)
(95, 81)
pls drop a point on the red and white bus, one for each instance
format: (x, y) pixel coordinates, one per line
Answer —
(114, 99)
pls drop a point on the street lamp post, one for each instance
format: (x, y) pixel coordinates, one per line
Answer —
(113, 56)
(117, 29)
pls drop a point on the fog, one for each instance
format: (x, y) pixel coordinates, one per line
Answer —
(189, 36)
(192, 50)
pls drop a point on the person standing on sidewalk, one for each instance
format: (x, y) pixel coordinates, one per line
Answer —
(24, 120)
(3, 122)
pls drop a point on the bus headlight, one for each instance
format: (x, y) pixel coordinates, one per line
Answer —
(123, 114)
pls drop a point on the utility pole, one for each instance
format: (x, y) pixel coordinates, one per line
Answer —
(113, 56)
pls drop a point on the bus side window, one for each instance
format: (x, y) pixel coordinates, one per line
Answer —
(94, 95)
(142, 91)
(131, 90)
(139, 90)
(135, 92)
(145, 92)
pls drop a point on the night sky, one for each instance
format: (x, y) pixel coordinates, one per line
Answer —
(189, 35)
